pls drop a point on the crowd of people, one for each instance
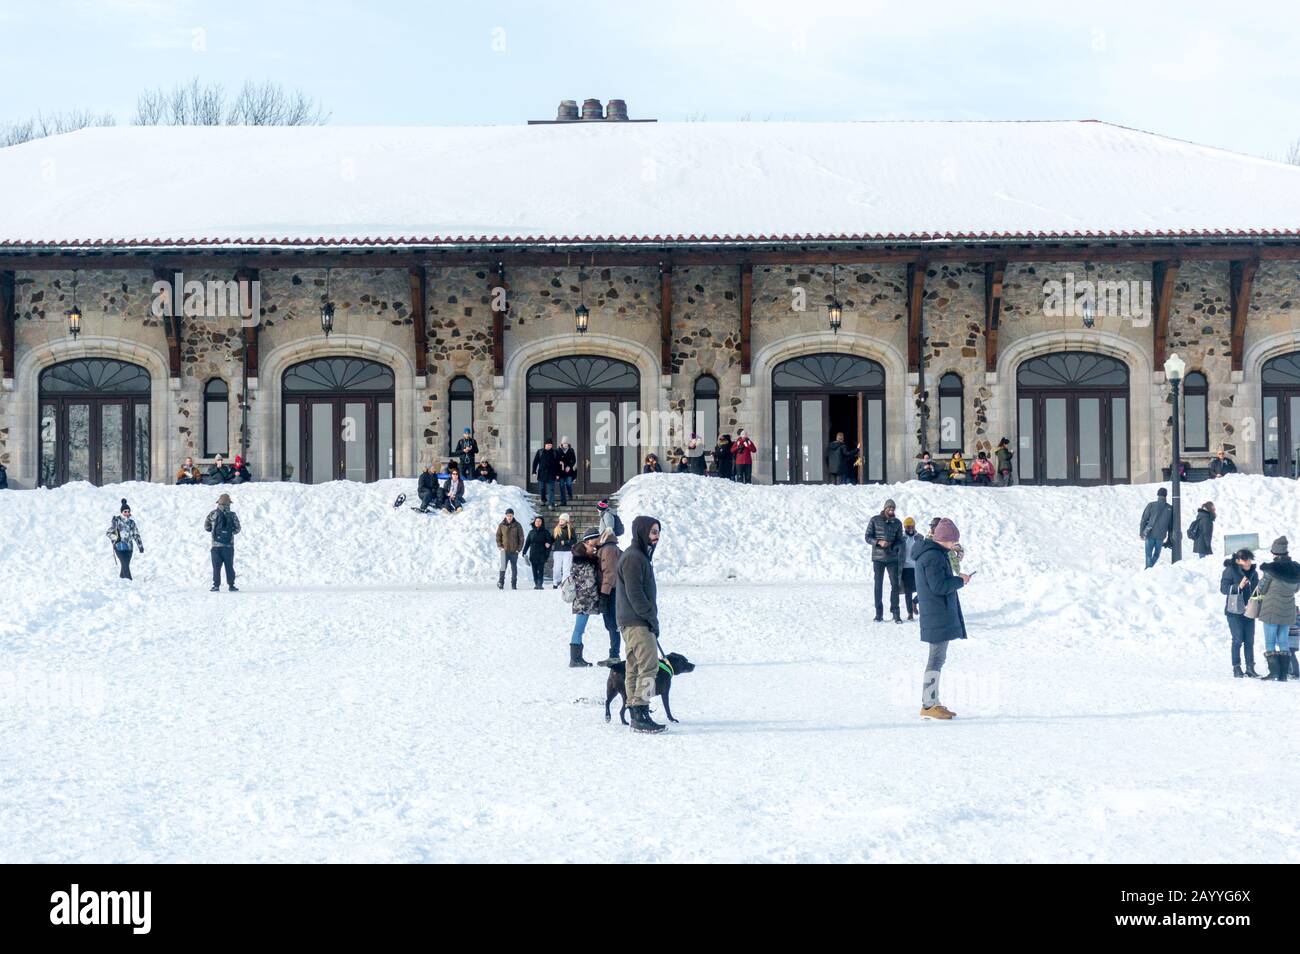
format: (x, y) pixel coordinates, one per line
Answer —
(732, 459)
(982, 471)
(219, 473)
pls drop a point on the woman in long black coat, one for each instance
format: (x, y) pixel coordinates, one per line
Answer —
(941, 617)
(722, 457)
(537, 547)
(1238, 584)
(1201, 531)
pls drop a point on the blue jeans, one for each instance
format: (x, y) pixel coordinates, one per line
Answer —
(1277, 638)
(566, 490)
(547, 489)
(579, 627)
(1152, 545)
(1243, 637)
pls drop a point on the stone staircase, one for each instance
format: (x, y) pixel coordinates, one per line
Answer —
(582, 512)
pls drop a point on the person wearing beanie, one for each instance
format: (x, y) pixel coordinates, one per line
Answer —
(743, 451)
(607, 556)
(638, 620)
(239, 473)
(940, 607)
(911, 541)
(220, 472)
(885, 537)
(609, 519)
(567, 459)
(1238, 583)
(125, 536)
(223, 524)
(1003, 455)
(561, 551)
(537, 548)
(466, 451)
(1201, 531)
(1157, 523)
(1279, 582)
(586, 593)
(510, 540)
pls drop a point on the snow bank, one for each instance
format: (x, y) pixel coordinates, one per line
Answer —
(1068, 553)
(52, 542)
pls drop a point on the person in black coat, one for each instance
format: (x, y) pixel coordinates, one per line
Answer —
(652, 465)
(428, 488)
(1201, 532)
(546, 468)
(453, 490)
(485, 472)
(1222, 465)
(885, 537)
(839, 460)
(1238, 584)
(220, 472)
(722, 457)
(466, 450)
(941, 616)
(240, 474)
(4, 478)
(1157, 522)
(926, 469)
(537, 548)
(568, 469)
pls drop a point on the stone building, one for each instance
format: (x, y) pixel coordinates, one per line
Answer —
(935, 285)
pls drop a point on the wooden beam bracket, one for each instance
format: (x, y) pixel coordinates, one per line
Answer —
(746, 315)
(994, 272)
(499, 319)
(1164, 276)
(1241, 279)
(665, 318)
(915, 304)
(419, 318)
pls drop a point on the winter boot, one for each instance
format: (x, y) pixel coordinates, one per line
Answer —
(514, 584)
(501, 580)
(232, 588)
(898, 619)
(575, 656)
(878, 619)
(1250, 670)
(1295, 666)
(641, 721)
(1283, 665)
(937, 711)
(215, 589)
(1270, 660)
(1237, 673)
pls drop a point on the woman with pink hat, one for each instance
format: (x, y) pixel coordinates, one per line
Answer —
(941, 618)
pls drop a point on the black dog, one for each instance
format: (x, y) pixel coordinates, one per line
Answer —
(616, 685)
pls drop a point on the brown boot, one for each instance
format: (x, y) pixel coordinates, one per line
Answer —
(937, 711)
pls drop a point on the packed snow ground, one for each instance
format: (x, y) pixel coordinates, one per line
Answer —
(371, 696)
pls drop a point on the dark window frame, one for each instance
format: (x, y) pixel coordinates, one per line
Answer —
(1198, 389)
(209, 398)
(946, 389)
(453, 435)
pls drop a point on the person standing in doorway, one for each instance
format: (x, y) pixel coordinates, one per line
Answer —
(1157, 522)
(885, 537)
(568, 464)
(223, 524)
(125, 536)
(467, 450)
(839, 459)
(911, 541)
(638, 619)
(744, 451)
(561, 551)
(546, 468)
(941, 616)
(510, 540)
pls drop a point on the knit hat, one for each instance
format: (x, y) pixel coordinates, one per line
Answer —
(889, 503)
(125, 506)
(238, 459)
(591, 534)
(1162, 492)
(1279, 547)
(909, 522)
(468, 431)
(946, 532)
(223, 500)
(602, 505)
(564, 518)
(510, 511)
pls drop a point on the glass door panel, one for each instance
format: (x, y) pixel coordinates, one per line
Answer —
(78, 450)
(812, 440)
(600, 444)
(875, 448)
(355, 436)
(536, 435)
(293, 443)
(140, 442)
(1293, 433)
(1271, 438)
(1056, 468)
(780, 442)
(1119, 439)
(1025, 453)
(629, 435)
(1089, 451)
(49, 445)
(111, 450)
(321, 441)
(566, 423)
(387, 458)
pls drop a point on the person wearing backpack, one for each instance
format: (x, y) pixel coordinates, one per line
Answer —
(1238, 584)
(607, 556)
(609, 519)
(124, 536)
(1277, 609)
(1201, 530)
(582, 592)
(561, 551)
(223, 524)
(537, 548)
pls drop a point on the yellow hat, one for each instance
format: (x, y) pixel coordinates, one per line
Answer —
(909, 522)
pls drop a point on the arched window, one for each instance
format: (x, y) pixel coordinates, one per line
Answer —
(706, 410)
(216, 418)
(951, 418)
(1196, 415)
(94, 422)
(460, 403)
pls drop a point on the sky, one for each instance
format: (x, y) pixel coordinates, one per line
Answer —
(1221, 74)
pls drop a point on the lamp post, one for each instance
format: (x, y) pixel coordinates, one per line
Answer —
(1174, 367)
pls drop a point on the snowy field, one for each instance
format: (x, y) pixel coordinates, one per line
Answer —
(371, 696)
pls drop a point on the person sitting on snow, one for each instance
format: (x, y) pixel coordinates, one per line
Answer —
(926, 469)
(240, 474)
(428, 490)
(956, 469)
(982, 470)
(220, 472)
(485, 472)
(189, 473)
(453, 491)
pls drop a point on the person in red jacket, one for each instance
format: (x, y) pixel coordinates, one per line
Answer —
(982, 470)
(743, 451)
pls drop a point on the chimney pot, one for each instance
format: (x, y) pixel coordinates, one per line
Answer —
(591, 110)
(568, 111)
(616, 111)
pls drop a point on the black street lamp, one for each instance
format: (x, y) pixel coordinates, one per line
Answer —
(74, 313)
(835, 310)
(327, 309)
(580, 314)
(1174, 367)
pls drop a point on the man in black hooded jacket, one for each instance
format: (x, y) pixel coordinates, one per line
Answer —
(885, 537)
(637, 614)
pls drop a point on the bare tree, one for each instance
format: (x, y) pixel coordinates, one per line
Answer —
(41, 125)
(199, 104)
(1293, 153)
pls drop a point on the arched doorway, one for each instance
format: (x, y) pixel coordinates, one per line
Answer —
(337, 421)
(592, 401)
(1073, 419)
(94, 422)
(1281, 385)
(816, 396)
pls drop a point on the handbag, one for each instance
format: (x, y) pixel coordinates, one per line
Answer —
(569, 589)
(1255, 605)
(1235, 603)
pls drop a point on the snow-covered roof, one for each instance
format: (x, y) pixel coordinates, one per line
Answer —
(643, 182)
